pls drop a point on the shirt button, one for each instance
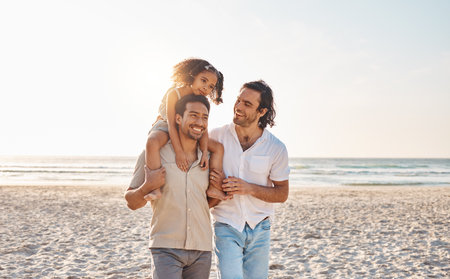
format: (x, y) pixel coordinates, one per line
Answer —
(189, 228)
(189, 209)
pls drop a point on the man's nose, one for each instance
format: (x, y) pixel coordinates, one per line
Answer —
(200, 121)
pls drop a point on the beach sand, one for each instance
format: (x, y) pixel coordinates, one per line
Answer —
(345, 232)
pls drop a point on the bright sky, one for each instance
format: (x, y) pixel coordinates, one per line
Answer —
(351, 78)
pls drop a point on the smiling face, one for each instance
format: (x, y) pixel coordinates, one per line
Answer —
(194, 122)
(204, 83)
(246, 111)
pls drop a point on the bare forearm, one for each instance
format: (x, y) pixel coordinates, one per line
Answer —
(175, 139)
(213, 202)
(275, 194)
(278, 193)
(204, 142)
(135, 197)
(217, 151)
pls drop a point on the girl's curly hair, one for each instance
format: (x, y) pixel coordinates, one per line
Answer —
(185, 72)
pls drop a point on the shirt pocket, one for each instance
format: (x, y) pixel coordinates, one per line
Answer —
(259, 164)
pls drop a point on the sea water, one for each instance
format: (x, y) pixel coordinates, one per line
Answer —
(75, 170)
(369, 172)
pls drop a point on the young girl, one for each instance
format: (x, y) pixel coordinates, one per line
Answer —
(191, 76)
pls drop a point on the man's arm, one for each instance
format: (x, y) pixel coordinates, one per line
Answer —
(212, 202)
(135, 198)
(216, 178)
(278, 193)
(153, 179)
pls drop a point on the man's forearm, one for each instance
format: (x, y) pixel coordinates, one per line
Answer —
(135, 197)
(213, 202)
(276, 194)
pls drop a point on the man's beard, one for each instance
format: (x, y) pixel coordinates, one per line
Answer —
(194, 137)
(245, 122)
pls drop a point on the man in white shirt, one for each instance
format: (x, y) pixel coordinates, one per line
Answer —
(256, 166)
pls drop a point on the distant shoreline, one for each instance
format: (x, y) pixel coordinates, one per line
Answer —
(290, 157)
(104, 171)
(291, 187)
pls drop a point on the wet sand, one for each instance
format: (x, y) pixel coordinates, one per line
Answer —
(346, 232)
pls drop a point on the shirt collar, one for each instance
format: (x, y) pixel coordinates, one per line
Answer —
(262, 138)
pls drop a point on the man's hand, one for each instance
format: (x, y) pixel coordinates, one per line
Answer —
(215, 178)
(215, 182)
(234, 185)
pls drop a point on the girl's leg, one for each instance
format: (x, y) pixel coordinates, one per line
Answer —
(215, 162)
(155, 141)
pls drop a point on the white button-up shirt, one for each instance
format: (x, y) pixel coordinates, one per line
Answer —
(265, 161)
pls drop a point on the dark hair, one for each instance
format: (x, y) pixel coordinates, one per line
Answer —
(266, 101)
(185, 72)
(180, 105)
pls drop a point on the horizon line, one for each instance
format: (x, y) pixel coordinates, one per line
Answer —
(291, 157)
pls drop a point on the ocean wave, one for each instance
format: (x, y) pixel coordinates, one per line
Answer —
(398, 184)
(62, 167)
(299, 167)
(382, 166)
(425, 174)
(374, 173)
(9, 172)
(384, 184)
(337, 172)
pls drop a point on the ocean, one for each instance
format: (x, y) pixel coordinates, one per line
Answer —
(316, 172)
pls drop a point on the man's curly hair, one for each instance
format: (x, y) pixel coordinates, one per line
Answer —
(266, 101)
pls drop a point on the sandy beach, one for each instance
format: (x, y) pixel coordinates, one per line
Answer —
(345, 232)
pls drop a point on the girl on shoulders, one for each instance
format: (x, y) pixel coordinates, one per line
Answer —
(191, 76)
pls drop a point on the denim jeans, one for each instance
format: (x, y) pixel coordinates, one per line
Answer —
(242, 254)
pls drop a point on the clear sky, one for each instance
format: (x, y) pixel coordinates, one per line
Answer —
(351, 78)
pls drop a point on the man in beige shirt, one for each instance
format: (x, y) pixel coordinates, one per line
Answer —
(180, 233)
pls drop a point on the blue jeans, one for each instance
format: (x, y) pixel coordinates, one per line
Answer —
(242, 254)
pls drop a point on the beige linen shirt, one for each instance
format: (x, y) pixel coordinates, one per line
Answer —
(181, 217)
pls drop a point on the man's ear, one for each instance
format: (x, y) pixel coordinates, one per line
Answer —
(262, 111)
(178, 119)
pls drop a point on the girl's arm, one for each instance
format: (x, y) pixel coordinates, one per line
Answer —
(180, 156)
(204, 162)
(217, 152)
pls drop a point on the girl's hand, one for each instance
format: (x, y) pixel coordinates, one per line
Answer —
(182, 161)
(204, 162)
